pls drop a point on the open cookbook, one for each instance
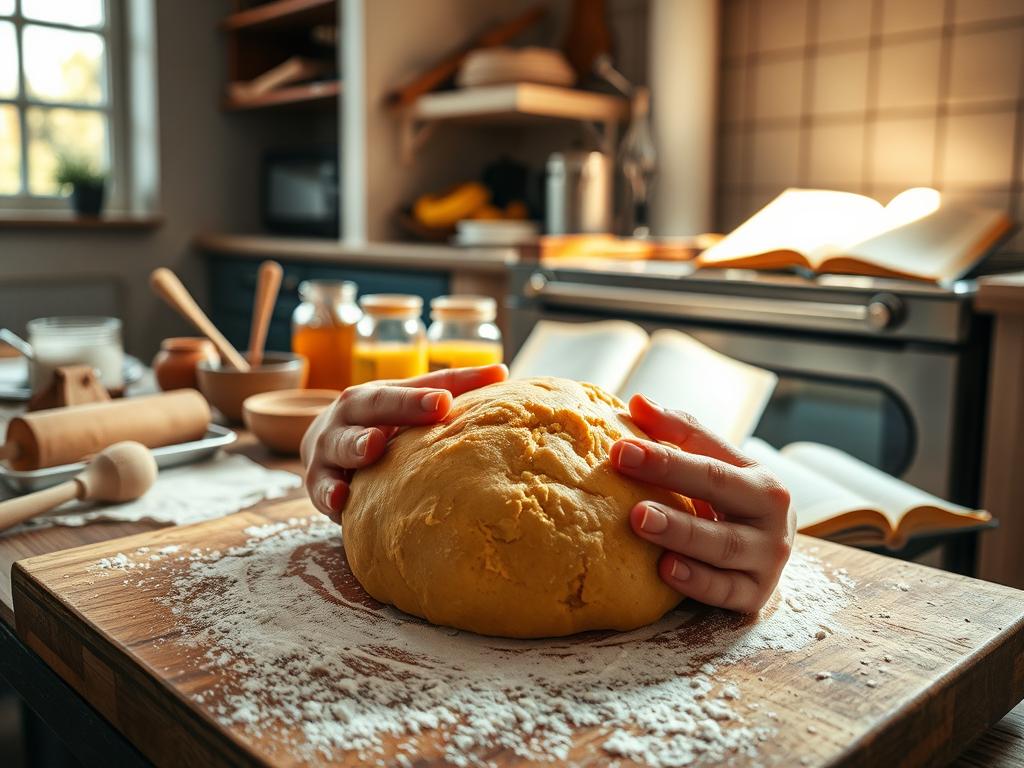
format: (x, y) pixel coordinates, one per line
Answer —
(916, 235)
(835, 495)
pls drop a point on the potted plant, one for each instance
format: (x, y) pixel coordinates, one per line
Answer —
(86, 183)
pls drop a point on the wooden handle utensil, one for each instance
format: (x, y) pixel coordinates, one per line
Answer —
(168, 287)
(268, 283)
(121, 472)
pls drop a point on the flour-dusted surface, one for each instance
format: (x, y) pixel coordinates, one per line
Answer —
(300, 653)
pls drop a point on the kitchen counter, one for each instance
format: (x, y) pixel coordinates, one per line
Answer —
(418, 256)
(94, 740)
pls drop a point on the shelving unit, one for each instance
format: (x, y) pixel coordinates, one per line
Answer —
(308, 94)
(260, 37)
(283, 13)
(512, 104)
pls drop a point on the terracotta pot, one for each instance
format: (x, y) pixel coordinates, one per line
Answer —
(175, 363)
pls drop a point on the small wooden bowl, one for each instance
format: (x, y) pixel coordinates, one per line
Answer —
(226, 388)
(280, 419)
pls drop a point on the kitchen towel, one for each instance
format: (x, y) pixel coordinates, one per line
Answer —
(189, 494)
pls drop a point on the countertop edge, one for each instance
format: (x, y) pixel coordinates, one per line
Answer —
(398, 255)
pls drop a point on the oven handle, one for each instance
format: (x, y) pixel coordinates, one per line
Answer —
(882, 311)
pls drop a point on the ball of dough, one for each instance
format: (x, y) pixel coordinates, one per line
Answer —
(508, 519)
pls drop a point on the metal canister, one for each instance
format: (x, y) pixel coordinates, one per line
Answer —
(579, 193)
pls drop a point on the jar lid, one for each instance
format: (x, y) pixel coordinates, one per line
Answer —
(328, 290)
(391, 304)
(464, 307)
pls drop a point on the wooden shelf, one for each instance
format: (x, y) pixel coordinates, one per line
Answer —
(519, 102)
(47, 220)
(283, 13)
(509, 105)
(308, 94)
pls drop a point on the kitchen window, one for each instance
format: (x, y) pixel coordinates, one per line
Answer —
(60, 95)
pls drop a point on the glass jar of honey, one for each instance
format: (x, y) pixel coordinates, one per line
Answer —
(462, 332)
(324, 330)
(391, 341)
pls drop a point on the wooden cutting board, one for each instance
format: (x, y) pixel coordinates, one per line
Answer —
(955, 647)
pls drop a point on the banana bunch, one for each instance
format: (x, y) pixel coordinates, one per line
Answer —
(470, 200)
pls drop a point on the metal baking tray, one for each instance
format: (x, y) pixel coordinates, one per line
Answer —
(169, 456)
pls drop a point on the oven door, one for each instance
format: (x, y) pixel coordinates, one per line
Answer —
(892, 405)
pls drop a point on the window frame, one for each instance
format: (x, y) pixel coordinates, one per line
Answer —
(117, 153)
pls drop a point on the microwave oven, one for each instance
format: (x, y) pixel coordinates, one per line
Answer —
(300, 192)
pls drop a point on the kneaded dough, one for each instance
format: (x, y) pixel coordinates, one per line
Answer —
(507, 519)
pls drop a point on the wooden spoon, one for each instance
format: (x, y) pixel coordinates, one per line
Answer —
(168, 287)
(268, 283)
(120, 472)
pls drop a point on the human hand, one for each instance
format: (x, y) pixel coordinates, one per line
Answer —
(355, 430)
(733, 561)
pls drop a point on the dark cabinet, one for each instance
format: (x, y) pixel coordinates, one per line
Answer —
(233, 287)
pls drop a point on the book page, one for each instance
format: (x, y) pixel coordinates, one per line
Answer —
(602, 353)
(891, 496)
(814, 496)
(816, 223)
(726, 396)
(942, 245)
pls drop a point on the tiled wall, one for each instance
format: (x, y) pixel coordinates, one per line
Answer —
(873, 96)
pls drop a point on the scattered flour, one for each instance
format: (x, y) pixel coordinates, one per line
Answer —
(301, 654)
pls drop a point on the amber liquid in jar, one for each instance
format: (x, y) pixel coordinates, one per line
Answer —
(462, 333)
(391, 340)
(324, 331)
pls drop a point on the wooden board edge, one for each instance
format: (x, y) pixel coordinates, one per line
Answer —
(946, 727)
(94, 672)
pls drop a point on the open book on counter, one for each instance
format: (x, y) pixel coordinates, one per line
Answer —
(835, 495)
(838, 497)
(917, 235)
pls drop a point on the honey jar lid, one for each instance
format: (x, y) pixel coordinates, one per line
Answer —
(391, 304)
(463, 307)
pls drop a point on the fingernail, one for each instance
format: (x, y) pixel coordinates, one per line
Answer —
(361, 442)
(631, 455)
(654, 520)
(650, 402)
(680, 570)
(336, 499)
(431, 401)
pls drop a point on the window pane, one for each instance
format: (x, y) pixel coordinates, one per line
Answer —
(76, 13)
(78, 133)
(61, 65)
(10, 150)
(8, 61)
(6, 7)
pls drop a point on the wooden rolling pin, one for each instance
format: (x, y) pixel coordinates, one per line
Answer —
(66, 435)
(120, 472)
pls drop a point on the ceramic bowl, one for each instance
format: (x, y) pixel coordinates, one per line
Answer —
(280, 419)
(226, 388)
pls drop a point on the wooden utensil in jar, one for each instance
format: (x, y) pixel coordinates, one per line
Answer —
(121, 472)
(268, 283)
(168, 287)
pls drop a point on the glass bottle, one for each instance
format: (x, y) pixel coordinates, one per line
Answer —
(462, 332)
(391, 341)
(324, 331)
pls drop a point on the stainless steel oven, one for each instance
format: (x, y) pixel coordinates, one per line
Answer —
(890, 371)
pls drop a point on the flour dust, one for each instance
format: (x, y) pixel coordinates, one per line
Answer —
(306, 661)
